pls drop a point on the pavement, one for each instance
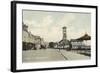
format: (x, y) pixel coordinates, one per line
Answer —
(42, 55)
(74, 56)
(50, 55)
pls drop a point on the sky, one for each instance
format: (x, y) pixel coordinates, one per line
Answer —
(48, 24)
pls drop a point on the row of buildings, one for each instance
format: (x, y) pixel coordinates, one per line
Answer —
(31, 41)
(83, 42)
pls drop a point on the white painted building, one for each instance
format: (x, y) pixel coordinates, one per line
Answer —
(81, 43)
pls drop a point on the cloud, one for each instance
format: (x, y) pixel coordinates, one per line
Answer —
(66, 19)
(49, 25)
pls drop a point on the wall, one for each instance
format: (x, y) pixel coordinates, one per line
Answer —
(5, 36)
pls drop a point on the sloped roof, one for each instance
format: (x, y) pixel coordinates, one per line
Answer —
(64, 42)
(84, 37)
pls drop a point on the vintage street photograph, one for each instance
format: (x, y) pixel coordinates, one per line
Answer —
(49, 36)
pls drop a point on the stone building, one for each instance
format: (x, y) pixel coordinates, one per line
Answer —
(31, 41)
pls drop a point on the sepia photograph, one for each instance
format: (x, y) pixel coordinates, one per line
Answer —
(55, 36)
(48, 36)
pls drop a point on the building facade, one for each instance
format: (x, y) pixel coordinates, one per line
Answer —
(31, 41)
(83, 42)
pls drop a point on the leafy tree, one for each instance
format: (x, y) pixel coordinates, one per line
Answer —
(51, 44)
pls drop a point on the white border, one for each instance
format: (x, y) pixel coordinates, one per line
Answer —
(21, 65)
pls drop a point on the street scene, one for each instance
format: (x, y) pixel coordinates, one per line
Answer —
(55, 36)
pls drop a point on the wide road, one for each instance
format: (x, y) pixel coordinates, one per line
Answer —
(50, 55)
(42, 55)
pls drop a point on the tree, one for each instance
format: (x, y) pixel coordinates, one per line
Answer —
(51, 44)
